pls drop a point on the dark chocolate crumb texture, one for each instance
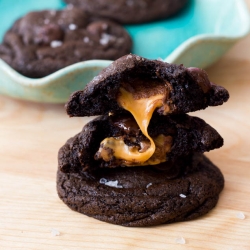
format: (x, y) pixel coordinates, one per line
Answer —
(43, 42)
(131, 11)
(183, 89)
(140, 163)
(174, 136)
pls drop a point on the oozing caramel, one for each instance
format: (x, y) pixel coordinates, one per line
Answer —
(142, 111)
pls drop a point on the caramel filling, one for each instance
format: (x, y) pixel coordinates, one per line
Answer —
(162, 147)
(142, 110)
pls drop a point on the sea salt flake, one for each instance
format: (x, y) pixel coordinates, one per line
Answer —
(55, 43)
(86, 39)
(149, 184)
(138, 58)
(105, 39)
(180, 240)
(72, 26)
(183, 196)
(54, 232)
(103, 180)
(113, 184)
(160, 59)
(110, 183)
(240, 215)
(129, 56)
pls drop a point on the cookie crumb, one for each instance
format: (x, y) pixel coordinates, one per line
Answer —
(55, 44)
(183, 196)
(180, 240)
(240, 215)
(86, 39)
(110, 183)
(149, 184)
(72, 26)
(54, 232)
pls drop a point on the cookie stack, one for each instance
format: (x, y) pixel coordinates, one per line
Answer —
(141, 162)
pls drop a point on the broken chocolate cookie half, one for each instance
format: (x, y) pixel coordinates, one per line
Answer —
(140, 163)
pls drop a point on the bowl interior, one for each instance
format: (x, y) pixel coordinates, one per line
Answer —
(156, 39)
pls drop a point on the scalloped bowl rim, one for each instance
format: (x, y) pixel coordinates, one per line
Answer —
(26, 81)
(41, 82)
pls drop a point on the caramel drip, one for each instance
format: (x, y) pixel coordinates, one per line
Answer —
(142, 111)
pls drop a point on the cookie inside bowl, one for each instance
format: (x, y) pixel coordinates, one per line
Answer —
(142, 140)
(43, 42)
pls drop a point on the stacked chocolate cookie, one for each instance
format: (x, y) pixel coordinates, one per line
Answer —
(141, 162)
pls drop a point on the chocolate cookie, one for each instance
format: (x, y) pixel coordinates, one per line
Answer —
(131, 11)
(175, 136)
(143, 196)
(141, 162)
(184, 89)
(43, 42)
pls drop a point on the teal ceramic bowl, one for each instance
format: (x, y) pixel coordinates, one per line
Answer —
(197, 37)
